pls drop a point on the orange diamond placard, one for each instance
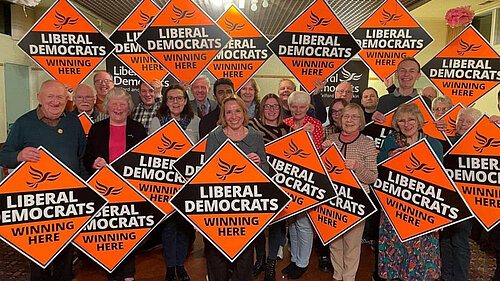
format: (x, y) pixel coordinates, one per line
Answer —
(416, 193)
(43, 206)
(300, 172)
(389, 35)
(350, 207)
(121, 225)
(148, 166)
(451, 119)
(66, 44)
(378, 131)
(191, 162)
(131, 53)
(183, 38)
(314, 45)
(244, 54)
(230, 200)
(86, 122)
(466, 69)
(473, 163)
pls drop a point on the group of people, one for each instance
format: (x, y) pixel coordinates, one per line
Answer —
(251, 122)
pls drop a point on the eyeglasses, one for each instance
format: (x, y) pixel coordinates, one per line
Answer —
(344, 91)
(177, 98)
(84, 97)
(353, 117)
(103, 81)
(335, 112)
(271, 106)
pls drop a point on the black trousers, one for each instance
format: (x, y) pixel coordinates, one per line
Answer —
(218, 265)
(60, 269)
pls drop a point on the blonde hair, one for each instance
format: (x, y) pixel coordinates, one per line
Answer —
(118, 93)
(241, 104)
(299, 97)
(355, 106)
(411, 109)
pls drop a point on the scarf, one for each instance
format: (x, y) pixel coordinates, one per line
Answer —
(184, 121)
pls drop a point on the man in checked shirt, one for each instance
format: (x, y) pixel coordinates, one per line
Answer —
(150, 102)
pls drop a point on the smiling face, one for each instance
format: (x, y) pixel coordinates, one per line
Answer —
(200, 89)
(103, 83)
(222, 91)
(407, 74)
(176, 102)
(369, 99)
(147, 95)
(233, 114)
(299, 111)
(408, 124)
(247, 92)
(52, 98)
(286, 87)
(118, 110)
(351, 121)
(271, 110)
(335, 111)
(84, 98)
(464, 123)
(344, 91)
(440, 108)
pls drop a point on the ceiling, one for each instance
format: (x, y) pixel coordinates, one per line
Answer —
(270, 20)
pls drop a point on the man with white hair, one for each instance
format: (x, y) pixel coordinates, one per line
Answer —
(201, 104)
(84, 98)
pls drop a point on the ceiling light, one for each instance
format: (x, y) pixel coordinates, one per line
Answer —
(253, 7)
(265, 4)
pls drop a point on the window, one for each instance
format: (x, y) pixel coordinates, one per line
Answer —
(482, 23)
(5, 18)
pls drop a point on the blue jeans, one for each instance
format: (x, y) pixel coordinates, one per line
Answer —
(175, 238)
(455, 251)
(301, 239)
(276, 237)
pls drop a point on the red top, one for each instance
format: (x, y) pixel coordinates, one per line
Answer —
(117, 141)
(317, 135)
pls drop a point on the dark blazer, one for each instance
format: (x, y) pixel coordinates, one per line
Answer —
(196, 110)
(98, 141)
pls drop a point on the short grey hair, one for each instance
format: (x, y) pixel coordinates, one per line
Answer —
(442, 99)
(204, 77)
(299, 97)
(470, 111)
(118, 93)
(80, 86)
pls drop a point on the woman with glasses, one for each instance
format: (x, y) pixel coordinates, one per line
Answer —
(333, 117)
(270, 124)
(360, 157)
(417, 259)
(176, 230)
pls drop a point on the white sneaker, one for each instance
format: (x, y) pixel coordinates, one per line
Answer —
(280, 253)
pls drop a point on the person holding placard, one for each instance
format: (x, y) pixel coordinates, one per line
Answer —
(109, 139)
(61, 133)
(441, 105)
(360, 157)
(270, 124)
(419, 258)
(176, 230)
(300, 228)
(233, 123)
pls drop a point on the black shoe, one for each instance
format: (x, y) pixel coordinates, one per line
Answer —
(324, 263)
(297, 272)
(182, 275)
(170, 276)
(270, 272)
(290, 267)
(258, 266)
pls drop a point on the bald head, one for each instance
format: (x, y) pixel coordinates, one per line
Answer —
(344, 91)
(52, 98)
(429, 92)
